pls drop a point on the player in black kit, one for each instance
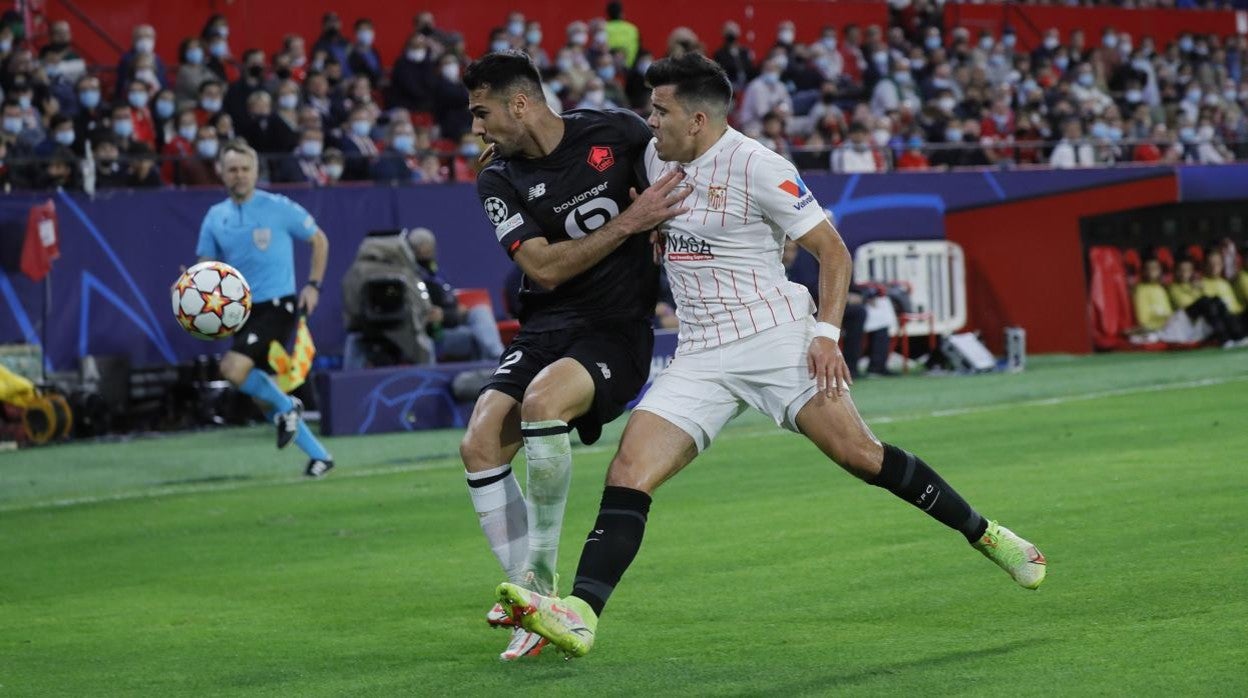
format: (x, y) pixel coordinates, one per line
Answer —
(562, 195)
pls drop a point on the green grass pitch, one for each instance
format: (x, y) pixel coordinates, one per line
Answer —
(201, 564)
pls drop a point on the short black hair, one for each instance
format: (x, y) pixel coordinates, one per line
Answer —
(696, 78)
(615, 9)
(503, 73)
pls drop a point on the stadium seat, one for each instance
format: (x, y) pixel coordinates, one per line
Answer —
(1166, 258)
(469, 297)
(1132, 263)
(1110, 310)
(1196, 253)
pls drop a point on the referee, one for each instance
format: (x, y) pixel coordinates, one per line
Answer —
(252, 231)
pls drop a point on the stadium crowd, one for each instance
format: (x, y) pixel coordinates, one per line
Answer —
(912, 95)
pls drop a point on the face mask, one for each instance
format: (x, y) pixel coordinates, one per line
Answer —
(947, 104)
(595, 96)
(1000, 120)
(211, 106)
(533, 37)
(953, 135)
(880, 58)
(785, 37)
(1140, 64)
(932, 43)
(405, 144)
(195, 55)
(255, 72)
(1114, 134)
(829, 42)
(564, 65)
(880, 136)
(861, 147)
(207, 149)
(1027, 86)
(1193, 96)
(1187, 134)
(600, 37)
(164, 108)
(138, 100)
(1100, 130)
(1135, 96)
(1061, 62)
(1086, 79)
(607, 72)
(997, 59)
(288, 101)
(223, 31)
(125, 129)
(219, 49)
(417, 55)
(986, 43)
(515, 28)
(941, 83)
(310, 149)
(1109, 41)
(500, 46)
(1228, 95)
(1009, 40)
(470, 150)
(24, 101)
(360, 128)
(579, 38)
(365, 37)
(450, 71)
(334, 170)
(188, 132)
(6, 46)
(64, 137)
(827, 98)
(915, 143)
(1204, 134)
(902, 78)
(1050, 42)
(1185, 45)
(145, 45)
(771, 78)
(782, 62)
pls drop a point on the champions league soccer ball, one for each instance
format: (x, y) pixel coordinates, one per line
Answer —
(211, 300)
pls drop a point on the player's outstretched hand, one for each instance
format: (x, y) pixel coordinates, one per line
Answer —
(658, 204)
(827, 366)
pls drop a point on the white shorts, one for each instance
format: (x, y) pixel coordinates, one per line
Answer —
(702, 391)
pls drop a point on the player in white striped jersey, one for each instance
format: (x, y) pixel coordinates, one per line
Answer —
(747, 339)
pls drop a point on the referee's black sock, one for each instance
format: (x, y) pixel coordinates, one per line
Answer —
(611, 545)
(907, 476)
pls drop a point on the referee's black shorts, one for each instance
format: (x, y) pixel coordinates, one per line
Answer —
(271, 320)
(616, 355)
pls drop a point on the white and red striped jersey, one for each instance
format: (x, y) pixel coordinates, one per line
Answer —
(723, 257)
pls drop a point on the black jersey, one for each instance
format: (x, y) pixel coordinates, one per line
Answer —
(570, 193)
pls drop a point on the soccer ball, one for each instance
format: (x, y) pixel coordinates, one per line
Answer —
(211, 300)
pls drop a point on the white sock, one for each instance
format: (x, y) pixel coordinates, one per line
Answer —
(501, 512)
(549, 454)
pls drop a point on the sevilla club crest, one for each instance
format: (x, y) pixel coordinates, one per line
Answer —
(600, 157)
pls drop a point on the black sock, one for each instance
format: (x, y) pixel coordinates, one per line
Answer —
(907, 476)
(611, 545)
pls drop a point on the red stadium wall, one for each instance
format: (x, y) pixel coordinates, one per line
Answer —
(262, 24)
(1024, 262)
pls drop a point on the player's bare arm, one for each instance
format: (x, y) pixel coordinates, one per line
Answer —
(824, 359)
(550, 264)
(310, 296)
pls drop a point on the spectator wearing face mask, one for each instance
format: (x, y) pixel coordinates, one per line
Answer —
(241, 90)
(109, 173)
(60, 171)
(305, 165)
(856, 155)
(60, 135)
(331, 41)
(595, 96)
(357, 145)
(335, 165)
(192, 70)
(764, 93)
(179, 145)
(91, 113)
(1073, 150)
(363, 58)
(121, 130)
(913, 158)
(466, 163)
(138, 98)
(399, 162)
(736, 58)
(141, 169)
(451, 101)
(143, 44)
(211, 101)
(31, 131)
(411, 78)
(201, 168)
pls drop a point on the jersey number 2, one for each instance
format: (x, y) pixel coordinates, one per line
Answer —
(511, 360)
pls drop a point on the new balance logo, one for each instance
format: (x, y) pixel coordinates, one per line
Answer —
(537, 191)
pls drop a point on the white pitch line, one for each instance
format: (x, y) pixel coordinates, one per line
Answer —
(203, 488)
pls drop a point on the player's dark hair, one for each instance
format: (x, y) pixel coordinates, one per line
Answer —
(505, 73)
(700, 82)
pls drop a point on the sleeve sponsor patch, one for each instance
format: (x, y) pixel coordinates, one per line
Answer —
(508, 225)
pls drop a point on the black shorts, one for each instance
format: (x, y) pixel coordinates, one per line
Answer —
(617, 357)
(271, 320)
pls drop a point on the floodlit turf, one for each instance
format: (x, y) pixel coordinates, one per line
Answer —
(200, 564)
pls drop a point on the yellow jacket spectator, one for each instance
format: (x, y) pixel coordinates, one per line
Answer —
(1215, 284)
(1152, 305)
(621, 33)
